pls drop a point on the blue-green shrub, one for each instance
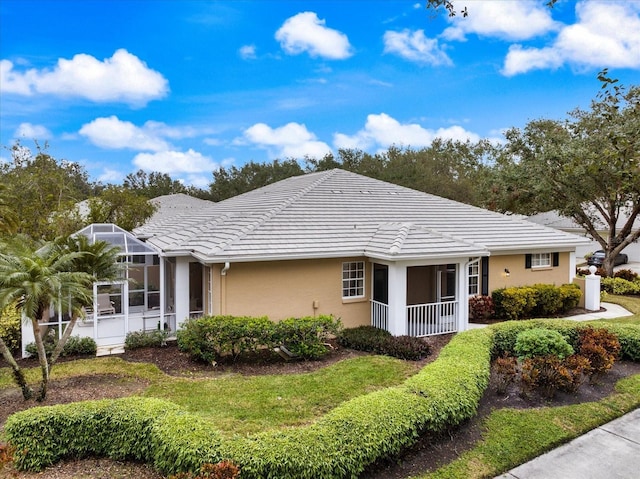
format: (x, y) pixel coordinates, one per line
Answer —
(379, 341)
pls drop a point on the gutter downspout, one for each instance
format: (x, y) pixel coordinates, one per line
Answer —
(223, 288)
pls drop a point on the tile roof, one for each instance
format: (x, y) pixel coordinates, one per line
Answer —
(336, 213)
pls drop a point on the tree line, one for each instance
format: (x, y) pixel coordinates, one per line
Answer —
(586, 167)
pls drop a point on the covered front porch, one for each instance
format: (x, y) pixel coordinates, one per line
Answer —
(421, 299)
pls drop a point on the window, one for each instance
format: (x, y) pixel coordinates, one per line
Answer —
(353, 279)
(474, 278)
(540, 260)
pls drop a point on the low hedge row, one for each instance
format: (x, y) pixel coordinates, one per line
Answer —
(211, 338)
(539, 300)
(620, 286)
(338, 445)
(380, 341)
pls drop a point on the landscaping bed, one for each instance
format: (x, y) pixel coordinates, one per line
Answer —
(428, 454)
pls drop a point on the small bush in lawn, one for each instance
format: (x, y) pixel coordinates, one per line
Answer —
(626, 274)
(407, 348)
(542, 342)
(601, 348)
(481, 307)
(142, 339)
(364, 338)
(506, 369)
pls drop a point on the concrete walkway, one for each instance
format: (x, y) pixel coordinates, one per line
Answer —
(611, 451)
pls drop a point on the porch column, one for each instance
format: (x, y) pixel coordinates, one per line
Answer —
(182, 290)
(463, 296)
(398, 299)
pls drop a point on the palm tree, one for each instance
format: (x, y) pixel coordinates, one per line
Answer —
(39, 276)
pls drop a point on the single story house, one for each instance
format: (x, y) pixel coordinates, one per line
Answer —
(331, 242)
(553, 219)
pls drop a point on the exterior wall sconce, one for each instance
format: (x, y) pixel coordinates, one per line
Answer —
(507, 272)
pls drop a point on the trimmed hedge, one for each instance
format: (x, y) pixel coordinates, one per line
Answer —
(380, 341)
(338, 445)
(75, 346)
(539, 300)
(211, 338)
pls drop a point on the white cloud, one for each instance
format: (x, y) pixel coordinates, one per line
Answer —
(248, 52)
(415, 47)
(31, 131)
(605, 35)
(121, 78)
(512, 20)
(175, 162)
(305, 32)
(292, 140)
(114, 133)
(383, 131)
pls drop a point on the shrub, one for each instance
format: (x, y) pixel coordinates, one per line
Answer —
(10, 327)
(548, 374)
(407, 348)
(379, 341)
(146, 339)
(506, 369)
(364, 338)
(601, 348)
(570, 295)
(75, 346)
(210, 338)
(481, 307)
(539, 300)
(548, 300)
(514, 303)
(542, 342)
(306, 337)
(600, 271)
(626, 274)
(620, 286)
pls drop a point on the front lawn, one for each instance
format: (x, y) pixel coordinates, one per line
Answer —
(243, 405)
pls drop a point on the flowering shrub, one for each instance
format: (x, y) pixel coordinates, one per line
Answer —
(481, 307)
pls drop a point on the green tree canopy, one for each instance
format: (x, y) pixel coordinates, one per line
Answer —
(586, 167)
(121, 206)
(38, 185)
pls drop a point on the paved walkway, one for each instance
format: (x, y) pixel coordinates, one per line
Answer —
(611, 451)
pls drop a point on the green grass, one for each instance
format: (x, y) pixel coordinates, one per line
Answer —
(246, 404)
(630, 303)
(88, 367)
(243, 405)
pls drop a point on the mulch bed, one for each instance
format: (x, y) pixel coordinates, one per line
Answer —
(428, 454)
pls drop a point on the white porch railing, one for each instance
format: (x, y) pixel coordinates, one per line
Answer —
(433, 318)
(379, 315)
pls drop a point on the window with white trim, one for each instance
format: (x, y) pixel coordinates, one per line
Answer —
(474, 278)
(353, 279)
(541, 260)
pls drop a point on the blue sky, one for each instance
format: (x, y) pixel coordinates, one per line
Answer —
(184, 87)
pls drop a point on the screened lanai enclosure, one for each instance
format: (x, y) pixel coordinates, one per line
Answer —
(142, 299)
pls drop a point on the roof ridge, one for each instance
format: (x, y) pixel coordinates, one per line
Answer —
(400, 238)
(263, 218)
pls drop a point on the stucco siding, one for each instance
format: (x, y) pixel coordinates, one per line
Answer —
(521, 276)
(287, 289)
